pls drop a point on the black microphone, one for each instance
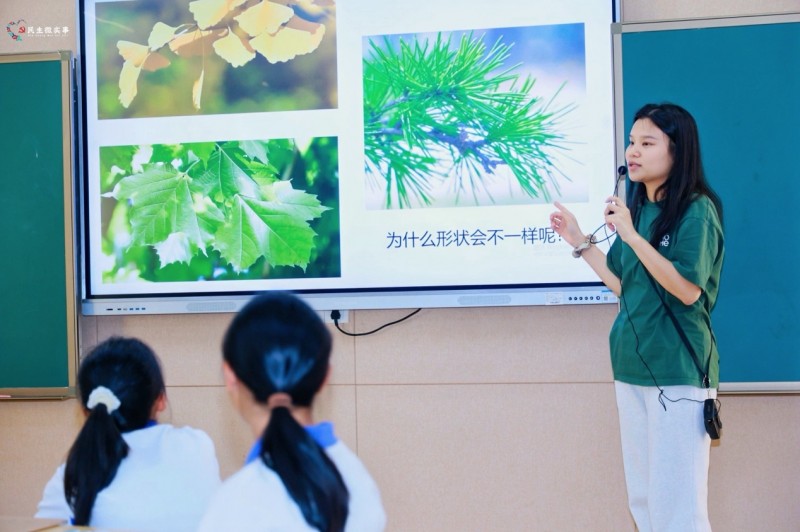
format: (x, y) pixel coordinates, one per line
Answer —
(621, 171)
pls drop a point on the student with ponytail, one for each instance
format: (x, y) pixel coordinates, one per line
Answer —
(124, 470)
(298, 476)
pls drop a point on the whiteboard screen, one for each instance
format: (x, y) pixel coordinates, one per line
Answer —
(342, 149)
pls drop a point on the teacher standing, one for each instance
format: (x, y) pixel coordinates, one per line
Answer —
(665, 267)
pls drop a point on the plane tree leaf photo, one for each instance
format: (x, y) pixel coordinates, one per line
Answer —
(218, 209)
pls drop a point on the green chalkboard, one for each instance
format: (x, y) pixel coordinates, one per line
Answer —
(740, 78)
(38, 323)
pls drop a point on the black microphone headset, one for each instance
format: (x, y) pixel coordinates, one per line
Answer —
(622, 171)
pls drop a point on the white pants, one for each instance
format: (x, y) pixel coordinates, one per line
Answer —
(665, 455)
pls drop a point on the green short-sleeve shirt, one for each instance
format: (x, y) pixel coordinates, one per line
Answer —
(643, 332)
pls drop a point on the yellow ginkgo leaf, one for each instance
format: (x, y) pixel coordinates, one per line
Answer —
(161, 35)
(287, 44)
(176, 248)
(155, 61)
(197, 90)
(127, 83)
(195, 42)
(263, 17)
(233, 50)
(133, 52)
(209, 12)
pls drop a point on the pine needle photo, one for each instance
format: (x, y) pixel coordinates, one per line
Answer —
(456, 119)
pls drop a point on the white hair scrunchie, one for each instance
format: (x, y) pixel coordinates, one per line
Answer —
(103, 396)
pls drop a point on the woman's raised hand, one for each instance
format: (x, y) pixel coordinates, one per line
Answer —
(618, 218)
(564, 223)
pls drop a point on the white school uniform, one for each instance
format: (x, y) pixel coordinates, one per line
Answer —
(165, 483)
(255, 499)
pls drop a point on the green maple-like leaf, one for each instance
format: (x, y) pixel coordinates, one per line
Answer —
(209, 216)
(226, 175)
(295, 202)
(225, 204)
(277, 230)
(176, 248)
(256, 149)
(161, 204)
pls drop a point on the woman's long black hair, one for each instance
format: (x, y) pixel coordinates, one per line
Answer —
(130, 369)
(278, 344)
(686, 179)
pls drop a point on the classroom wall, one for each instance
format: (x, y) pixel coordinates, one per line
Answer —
(469, 419)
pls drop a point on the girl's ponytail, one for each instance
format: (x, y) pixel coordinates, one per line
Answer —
(119, 381)
(279, 348)
(92, 462)
(309, 475)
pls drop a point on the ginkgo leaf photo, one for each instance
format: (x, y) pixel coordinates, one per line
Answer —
(209, 57)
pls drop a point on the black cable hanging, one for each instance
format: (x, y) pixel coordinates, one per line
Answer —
(335, 315)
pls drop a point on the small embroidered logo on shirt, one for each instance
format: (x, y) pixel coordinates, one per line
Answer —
(665, 241)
